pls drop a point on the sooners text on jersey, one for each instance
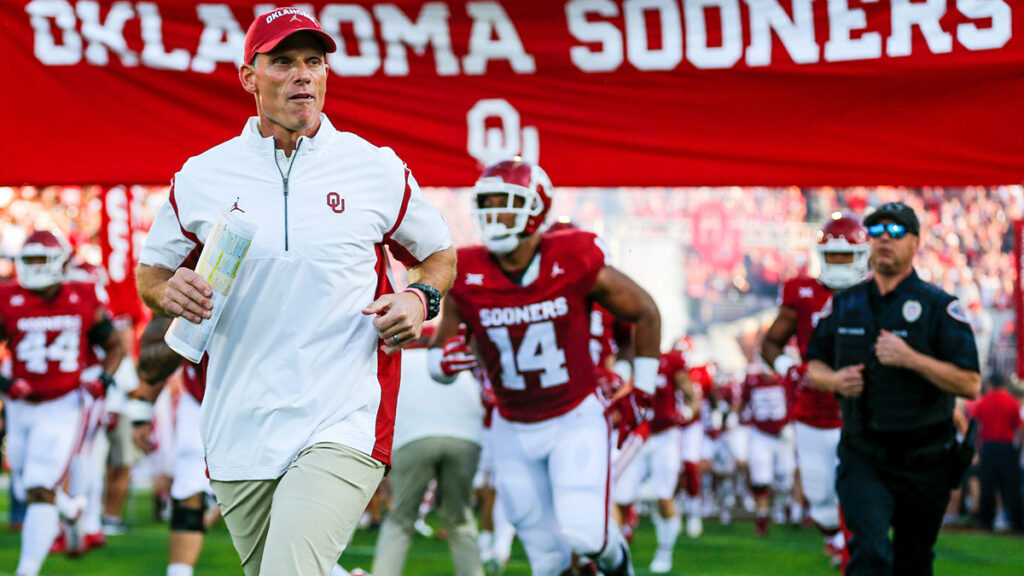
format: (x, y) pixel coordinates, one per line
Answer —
(807, 297)
(48, 338)
(533, 340)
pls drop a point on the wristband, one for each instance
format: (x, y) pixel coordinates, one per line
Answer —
(434, 358)
(624, 369)
(782, 364)
(423, 299)
(107, 380)
(433, 299)
(139, 411)
(645, 373)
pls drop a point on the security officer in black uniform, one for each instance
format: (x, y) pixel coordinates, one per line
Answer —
(897, 350)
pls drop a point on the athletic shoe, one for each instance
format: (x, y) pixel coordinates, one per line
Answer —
(114, 527)
(60, 544)
(835, 555)
(423, 528)
(93, 541)
(662, 563)
(624, 569)
(70, 510)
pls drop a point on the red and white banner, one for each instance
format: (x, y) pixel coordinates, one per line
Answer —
(121, 236)
(602, 92)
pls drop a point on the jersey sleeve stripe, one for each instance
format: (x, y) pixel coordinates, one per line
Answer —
(405, 205)
(399, 251)
(174, 204)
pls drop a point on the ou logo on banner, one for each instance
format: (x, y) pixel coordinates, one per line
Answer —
(118, 233)
(496, 143)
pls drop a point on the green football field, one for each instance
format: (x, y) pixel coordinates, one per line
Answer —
(723, 550)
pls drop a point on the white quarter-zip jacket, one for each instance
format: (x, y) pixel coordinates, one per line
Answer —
(293, 361)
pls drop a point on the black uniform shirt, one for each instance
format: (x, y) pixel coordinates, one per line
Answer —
(895, 400)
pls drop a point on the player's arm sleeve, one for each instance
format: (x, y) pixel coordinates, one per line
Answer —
(594, 255)
(955, 339)
(822, 344)
(788, 294)
(167, 244)
(419, 230)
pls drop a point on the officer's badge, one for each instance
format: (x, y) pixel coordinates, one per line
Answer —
(911, 310)
(956, 310)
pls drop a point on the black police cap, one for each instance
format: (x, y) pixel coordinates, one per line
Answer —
(898, 212)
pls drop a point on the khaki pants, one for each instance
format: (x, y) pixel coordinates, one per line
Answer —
(300, 523)
(453, 462)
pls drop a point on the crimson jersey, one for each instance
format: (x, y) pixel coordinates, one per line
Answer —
(194, 379)
(48, 338)
(534, 340)
(725, 393)
(606, 332)
(807, 296)
(667, 398)
(703, 384)
(767, 399)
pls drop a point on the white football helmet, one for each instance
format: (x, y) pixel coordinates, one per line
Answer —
(844, 234)
(528, 191)
(40, 264)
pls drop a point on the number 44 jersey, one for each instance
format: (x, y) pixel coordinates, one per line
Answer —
(48, 338)
(534, 337)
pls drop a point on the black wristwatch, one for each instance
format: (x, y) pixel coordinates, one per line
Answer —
(433, 299)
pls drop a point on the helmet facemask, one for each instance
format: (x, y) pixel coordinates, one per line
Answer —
(841, 276)
(522, 203)
(39, 266)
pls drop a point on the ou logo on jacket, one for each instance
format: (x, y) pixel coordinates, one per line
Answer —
(335, 202)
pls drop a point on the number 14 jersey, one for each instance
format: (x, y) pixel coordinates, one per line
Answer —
(534, 340)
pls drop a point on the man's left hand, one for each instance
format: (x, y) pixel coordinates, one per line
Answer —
(892, 350)
(398, 315)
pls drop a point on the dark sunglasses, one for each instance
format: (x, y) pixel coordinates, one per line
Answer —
(896, 231)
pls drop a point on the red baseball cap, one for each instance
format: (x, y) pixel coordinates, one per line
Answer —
(270, 28)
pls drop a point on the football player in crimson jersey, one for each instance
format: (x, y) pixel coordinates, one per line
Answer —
(699, 389)
(48, 324)
(766, 397)
(659, 456)
(843, 246)
(526, 299)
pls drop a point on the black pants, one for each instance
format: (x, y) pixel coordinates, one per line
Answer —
(1000, 471)
(874, 498)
